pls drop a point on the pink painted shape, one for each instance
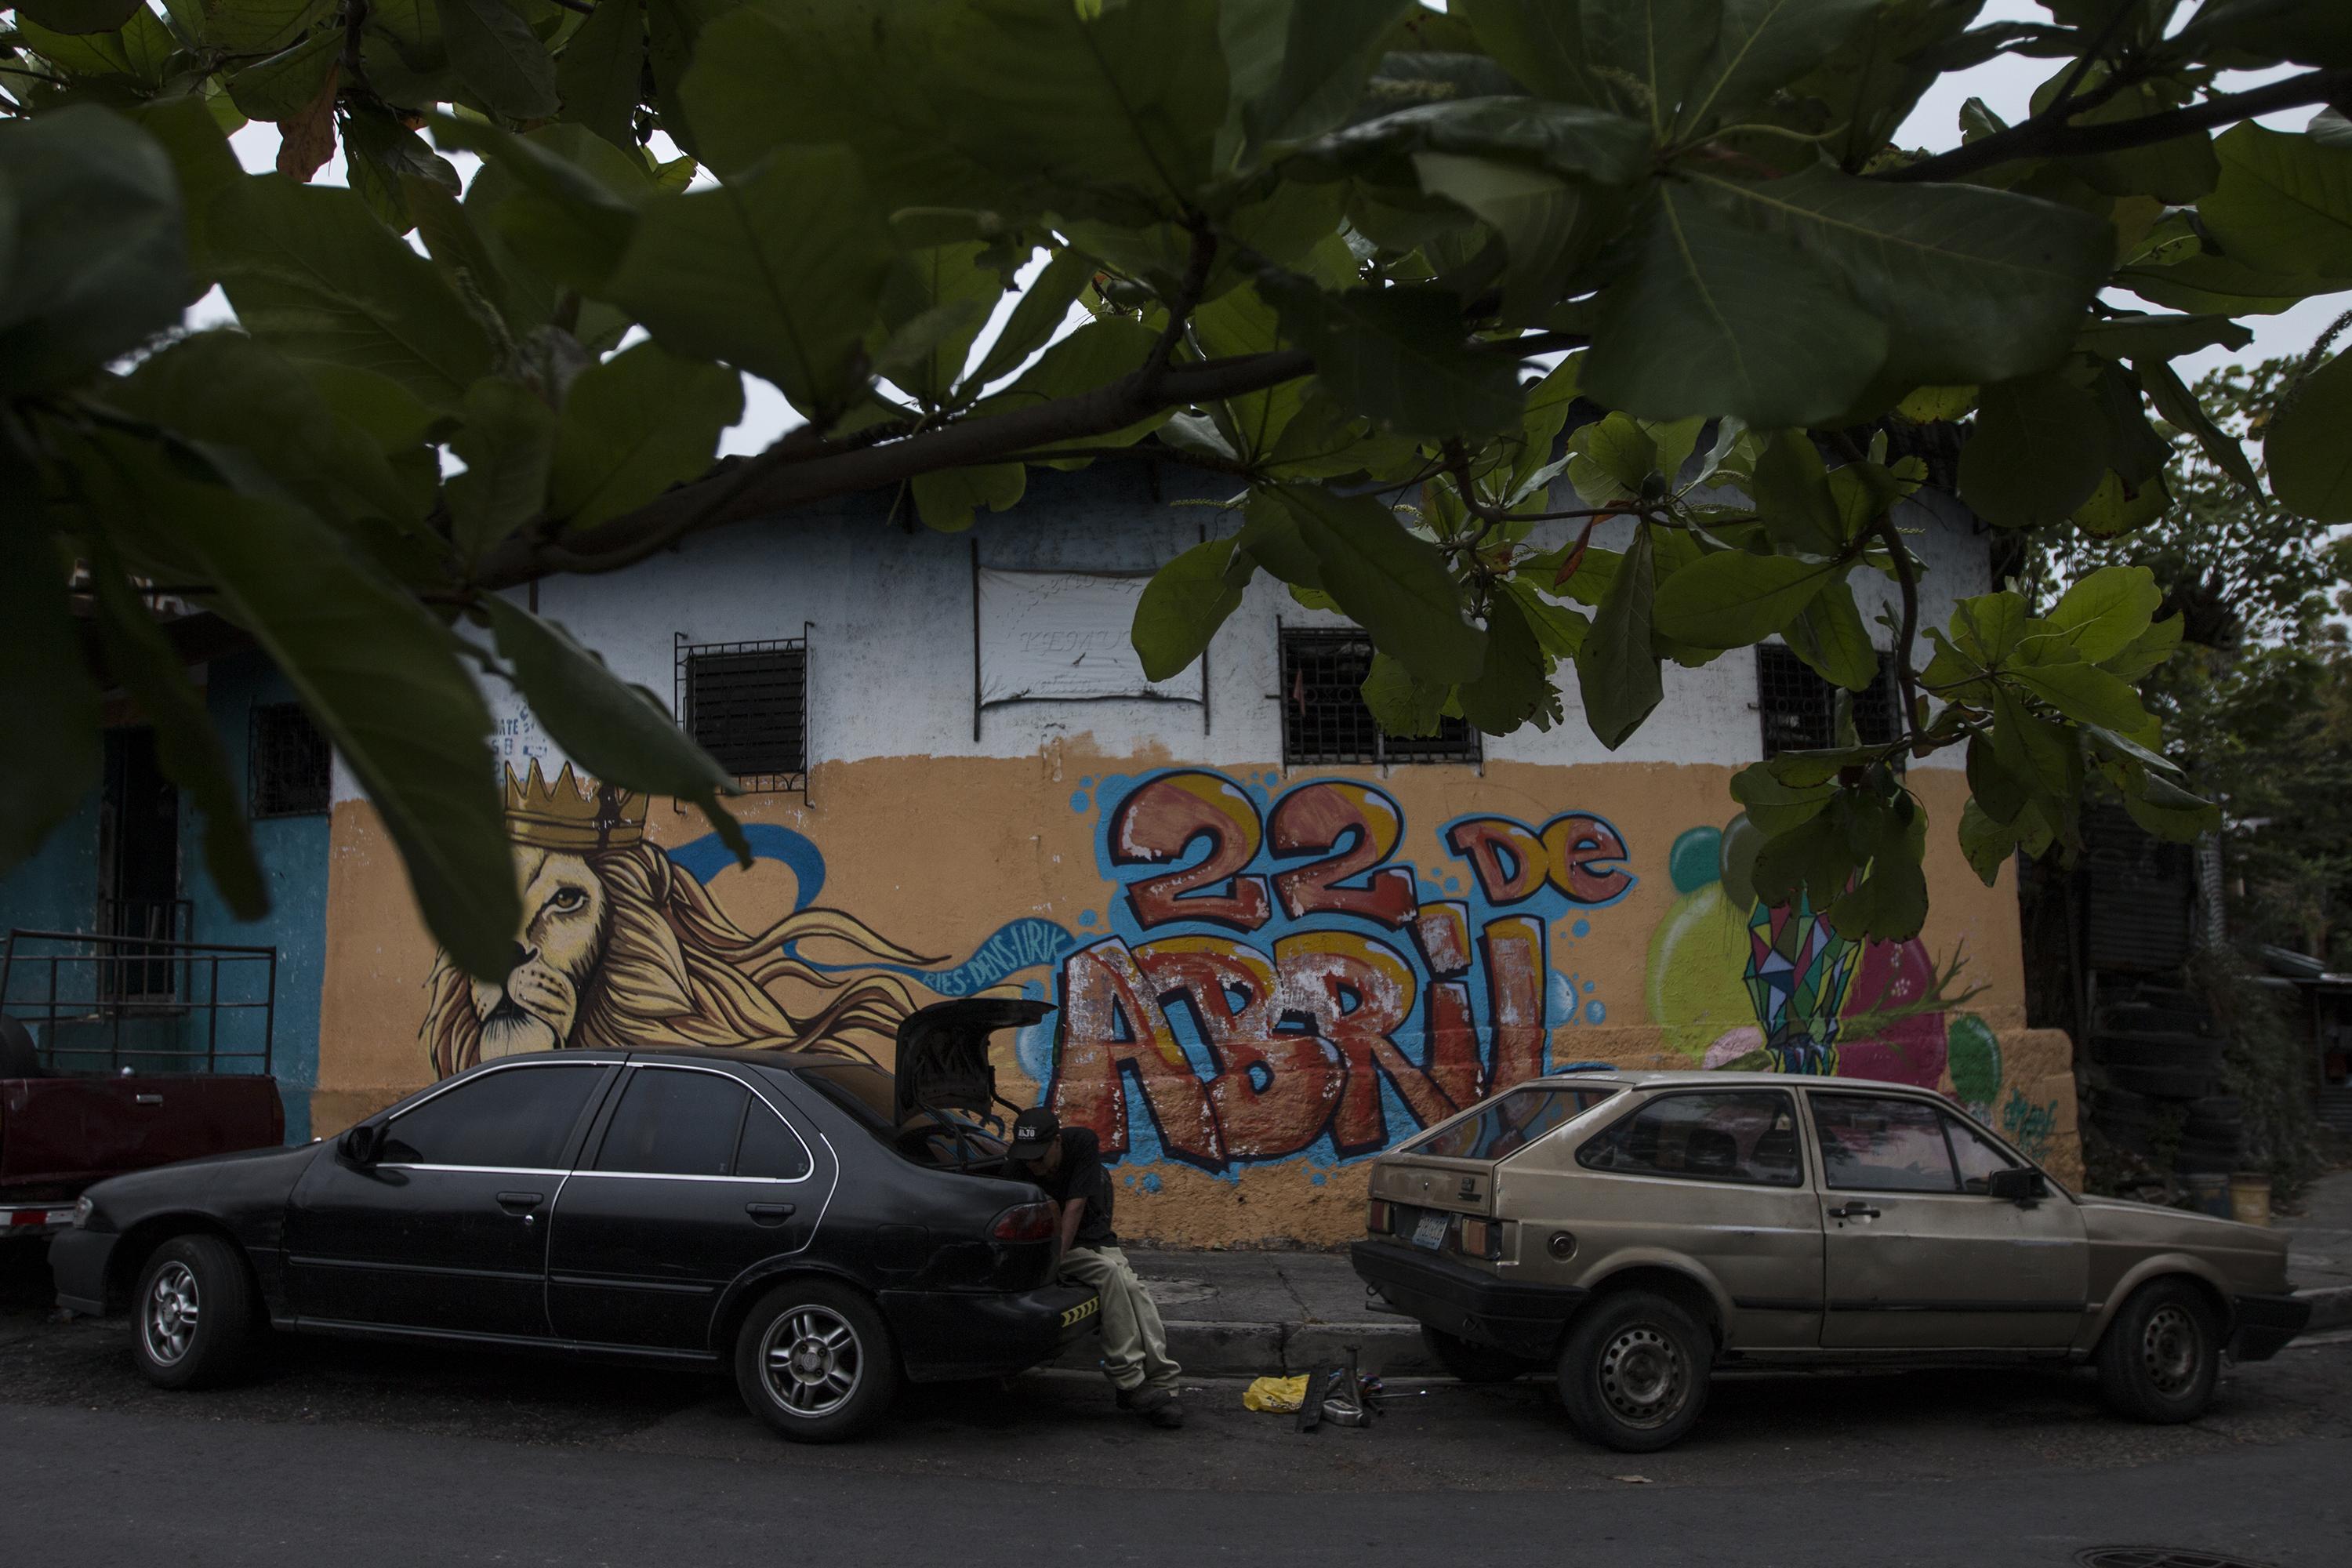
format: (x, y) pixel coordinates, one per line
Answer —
(1910, 1050)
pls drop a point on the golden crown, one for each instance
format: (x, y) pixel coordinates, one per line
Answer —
(576, 812)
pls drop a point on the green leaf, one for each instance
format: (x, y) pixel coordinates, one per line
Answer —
(2116, 509)
(1793, 495)
(1972, 284)
(1182, 606)
(382, 158)
(1711, 317)
(2284, 201)
(2177, 404)
(1399, 356)
(2039, 448)
(2107, 611)
(1989, 843)
(2138, 338)
(947, 499)
(288, 82)
(101, 260)
(507, 445)
(2084, 693)
(1775, 806)
(382, 679)
(2150, 648)
(1514, 685)
(1763, 45)
(1650, 50)
(1533, 212)
(500, 58)
(1610, 459)
(599, 74)
(569, 206)
(49, 704)
(1577, 143)
(778, 273)
(187, 746)
(2189, 278)
(1560, 629)
(315, 276)
(1890, 902)
(1272, 536)
(1731, 598)
(78, 15)
(1616, 671)
(2308, 444)
(1388, 582)
(634, 425)
(1402, 705)
(620, 733)
(2168, 811)
(1540, 42)
(1044, 306)
(256, 27)
(2038, 753)
(1240, 322)
(1829, 636)
(1998, 792)
(1297, 66)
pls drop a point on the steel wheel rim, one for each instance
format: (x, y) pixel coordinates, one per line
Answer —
(167, 1324)
(1641, 1376)
(2170, 1348)
(811, 1362)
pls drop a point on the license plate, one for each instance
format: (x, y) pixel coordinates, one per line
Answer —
(1429, 1233)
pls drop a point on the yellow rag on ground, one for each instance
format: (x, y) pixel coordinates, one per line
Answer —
(1273, 1396)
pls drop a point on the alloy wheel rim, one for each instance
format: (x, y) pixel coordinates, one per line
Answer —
(169, 1323)
(1642, 1377)
(2170, 1348)
(811, 1362)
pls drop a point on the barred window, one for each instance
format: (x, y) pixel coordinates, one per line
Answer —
(289, 769)
(1797, 706)
(1324, 720)
(746, 703)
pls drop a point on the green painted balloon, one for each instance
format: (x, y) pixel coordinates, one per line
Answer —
(1973, 1054)
(1696, 860)
(1741, 840)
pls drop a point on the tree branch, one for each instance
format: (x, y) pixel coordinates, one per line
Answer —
(2041, 138)
(795, 472)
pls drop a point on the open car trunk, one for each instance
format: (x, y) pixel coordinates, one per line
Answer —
(944, 1087)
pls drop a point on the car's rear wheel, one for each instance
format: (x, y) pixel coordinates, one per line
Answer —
(196, 1322)
(1473, 1363)
(814, 1359)
(2161, 1356)
(1634, 1372)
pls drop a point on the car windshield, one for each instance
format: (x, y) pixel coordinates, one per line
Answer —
(1507, 1124)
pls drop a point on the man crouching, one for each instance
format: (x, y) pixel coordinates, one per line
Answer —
(1067, 1162)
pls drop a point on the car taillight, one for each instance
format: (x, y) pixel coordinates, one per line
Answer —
(1380, 1217)
(1024, 1222)
(1480, 1238)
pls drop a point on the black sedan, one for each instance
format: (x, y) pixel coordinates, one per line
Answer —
(827, 1229)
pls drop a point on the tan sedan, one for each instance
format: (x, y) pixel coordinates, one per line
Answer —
(1634, 1231)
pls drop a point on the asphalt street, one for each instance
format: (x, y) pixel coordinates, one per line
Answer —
(365, 1455)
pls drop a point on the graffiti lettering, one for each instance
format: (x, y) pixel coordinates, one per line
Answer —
(1317, 1002)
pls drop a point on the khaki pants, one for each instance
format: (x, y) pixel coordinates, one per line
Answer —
(1134, 1341)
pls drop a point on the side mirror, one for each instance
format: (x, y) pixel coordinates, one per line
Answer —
(2017, 1184)
(362, 1144)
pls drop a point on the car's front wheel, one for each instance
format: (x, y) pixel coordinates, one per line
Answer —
(2161, 1356)
(813, 1358)
(196, 1321)
(1471, 1362)
(1634, 1372)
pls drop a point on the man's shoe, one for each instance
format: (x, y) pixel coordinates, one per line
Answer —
(1156, 1406)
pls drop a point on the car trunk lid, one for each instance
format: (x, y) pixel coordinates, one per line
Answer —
(943, 1064)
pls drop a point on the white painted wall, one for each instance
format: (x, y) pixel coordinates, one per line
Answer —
(888, 613)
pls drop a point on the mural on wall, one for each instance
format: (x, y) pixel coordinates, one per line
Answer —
(1736, 984)
(1276, 983)
(621, 944)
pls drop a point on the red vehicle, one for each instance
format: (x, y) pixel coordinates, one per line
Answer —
(62, 1130)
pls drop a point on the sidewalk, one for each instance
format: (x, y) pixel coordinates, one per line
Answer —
(1242, 1314)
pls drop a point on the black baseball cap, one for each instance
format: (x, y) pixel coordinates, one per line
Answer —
(1034, 1133)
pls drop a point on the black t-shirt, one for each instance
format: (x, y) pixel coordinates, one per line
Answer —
(1081, 1176)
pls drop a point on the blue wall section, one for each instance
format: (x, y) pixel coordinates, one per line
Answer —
(293, 854)
(57, 889)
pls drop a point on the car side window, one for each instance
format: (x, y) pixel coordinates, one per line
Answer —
(1977, 1156)
(769, 1148)
(674, 1122)
(1883, 1145)
(1712, 1135)
(514, 1119)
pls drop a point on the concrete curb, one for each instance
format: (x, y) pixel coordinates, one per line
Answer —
(2331, 1308)
(1207, 1348)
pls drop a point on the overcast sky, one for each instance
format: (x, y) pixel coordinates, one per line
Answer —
(2005, 84)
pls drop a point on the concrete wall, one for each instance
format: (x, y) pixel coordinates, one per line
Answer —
(1379, 945)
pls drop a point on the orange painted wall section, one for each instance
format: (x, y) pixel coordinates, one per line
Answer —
(1264, 977)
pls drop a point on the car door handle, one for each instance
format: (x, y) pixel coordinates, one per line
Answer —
(768, 1214)
(1853, 1211)
(519, 1202)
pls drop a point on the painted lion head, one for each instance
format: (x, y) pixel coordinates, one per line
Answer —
(621, 948)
